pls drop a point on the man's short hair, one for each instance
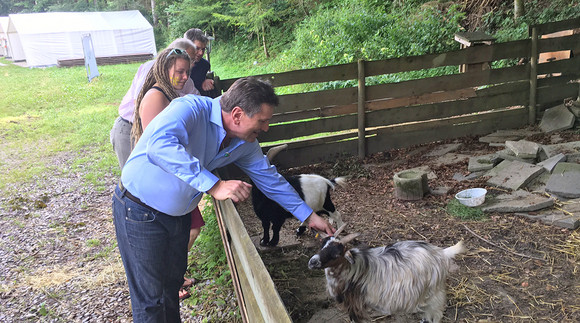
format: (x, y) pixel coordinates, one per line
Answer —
(194, 34)
(249, 94)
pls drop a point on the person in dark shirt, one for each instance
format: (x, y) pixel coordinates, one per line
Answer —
(201, 65)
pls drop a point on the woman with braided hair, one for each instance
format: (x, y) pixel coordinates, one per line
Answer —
(168, 75)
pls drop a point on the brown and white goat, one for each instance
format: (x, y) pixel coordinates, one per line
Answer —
(406, 277)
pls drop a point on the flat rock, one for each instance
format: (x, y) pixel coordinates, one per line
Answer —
(450, 159)
(514, 174)
(538, 184)
(439, 190)
(523, 148)
(443, 149)
(575, 109)
(460, 177)
(568, 216)
(501, 136)
(482, 163)
(551, 162)
(557, 118)
(425, 169)
(517, 201)
(565, 180)
(568, 148)
(508, 154)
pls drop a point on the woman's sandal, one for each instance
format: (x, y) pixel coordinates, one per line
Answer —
(188, 282)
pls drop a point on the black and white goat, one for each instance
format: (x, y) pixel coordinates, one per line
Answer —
(313, 189)
(406, 277)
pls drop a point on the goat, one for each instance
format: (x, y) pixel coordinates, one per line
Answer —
(313, 189)
(406, 277)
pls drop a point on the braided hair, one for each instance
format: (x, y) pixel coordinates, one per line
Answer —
(158, 74)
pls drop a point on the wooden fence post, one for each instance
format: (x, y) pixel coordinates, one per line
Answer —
(533, 76)
(362, 149)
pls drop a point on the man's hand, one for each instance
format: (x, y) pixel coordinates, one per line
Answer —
(320, 224)
(238, 191)
(207, 85)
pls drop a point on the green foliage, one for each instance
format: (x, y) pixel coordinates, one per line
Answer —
(455, 208)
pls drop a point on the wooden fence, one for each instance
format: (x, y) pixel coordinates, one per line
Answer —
(373, 118)
(369, 119)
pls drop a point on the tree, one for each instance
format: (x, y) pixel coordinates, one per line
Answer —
(518, 8)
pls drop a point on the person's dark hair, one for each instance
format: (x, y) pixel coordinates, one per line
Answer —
(249, 94)
(194, 34)
(159, 74)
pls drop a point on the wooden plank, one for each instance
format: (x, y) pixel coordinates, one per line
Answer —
(448, 82)
(420, 133)
(552, 27)
(560, 43)
(306, 128)
(322, 74)
(309, 100)
(556, 94)
(261, 285)
(470, 55)
(446, 109)
(568, 66)
(237, 280)
(316, 152)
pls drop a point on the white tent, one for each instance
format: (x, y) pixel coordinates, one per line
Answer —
(4, 37)
(43, 38)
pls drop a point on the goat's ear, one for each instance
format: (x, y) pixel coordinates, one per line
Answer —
(348, 257)
(349, 238)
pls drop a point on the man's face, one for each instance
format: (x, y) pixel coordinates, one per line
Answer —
(200, 50)
(249, 128)
(192, 53)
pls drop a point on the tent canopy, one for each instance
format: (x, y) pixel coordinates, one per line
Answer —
(44, 38)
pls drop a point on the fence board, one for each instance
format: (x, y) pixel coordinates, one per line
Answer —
(553, 27)
(447, 82)
(556, 94)
(409, 135)
(314, 75)
(309, 100)
(561, 43)
(470, 55)
(261, 286)
(570, 66)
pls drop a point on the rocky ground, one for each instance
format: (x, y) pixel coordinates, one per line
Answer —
(60, 262)
(516, 270)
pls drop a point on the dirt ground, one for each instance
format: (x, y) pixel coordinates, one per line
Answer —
(515, 270)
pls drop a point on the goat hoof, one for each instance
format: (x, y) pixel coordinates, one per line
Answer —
(263, 243)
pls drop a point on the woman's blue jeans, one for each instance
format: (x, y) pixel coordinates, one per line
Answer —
(153, 246)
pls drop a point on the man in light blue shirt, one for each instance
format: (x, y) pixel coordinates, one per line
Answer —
(169, 170)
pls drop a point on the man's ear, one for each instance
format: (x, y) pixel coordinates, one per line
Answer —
(237, 114)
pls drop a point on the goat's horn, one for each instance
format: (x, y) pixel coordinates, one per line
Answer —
(339, 230)
(349, 238)
(272, 152)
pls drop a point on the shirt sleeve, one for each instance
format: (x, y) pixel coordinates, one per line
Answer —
(166, 147)
(267, 179)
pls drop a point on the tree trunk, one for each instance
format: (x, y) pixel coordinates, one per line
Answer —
(153, 13)
(518, 8)
(264, 42)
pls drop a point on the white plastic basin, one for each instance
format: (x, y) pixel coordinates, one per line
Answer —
(471, 197)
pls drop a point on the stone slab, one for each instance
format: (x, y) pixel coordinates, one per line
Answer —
(565, 180)
(557, 118)
(483, 162)
(517, 201)
(514, 174)
(551, 162)
(425, 169)
(568, 148)
(440, 190)
(538, 184)
(501, 136)
(460, 177)
(443, 149)
(568, 216)
(523, 148)
(449, 159)
(508, 154)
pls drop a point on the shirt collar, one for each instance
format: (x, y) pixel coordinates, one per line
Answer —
(216, 113)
